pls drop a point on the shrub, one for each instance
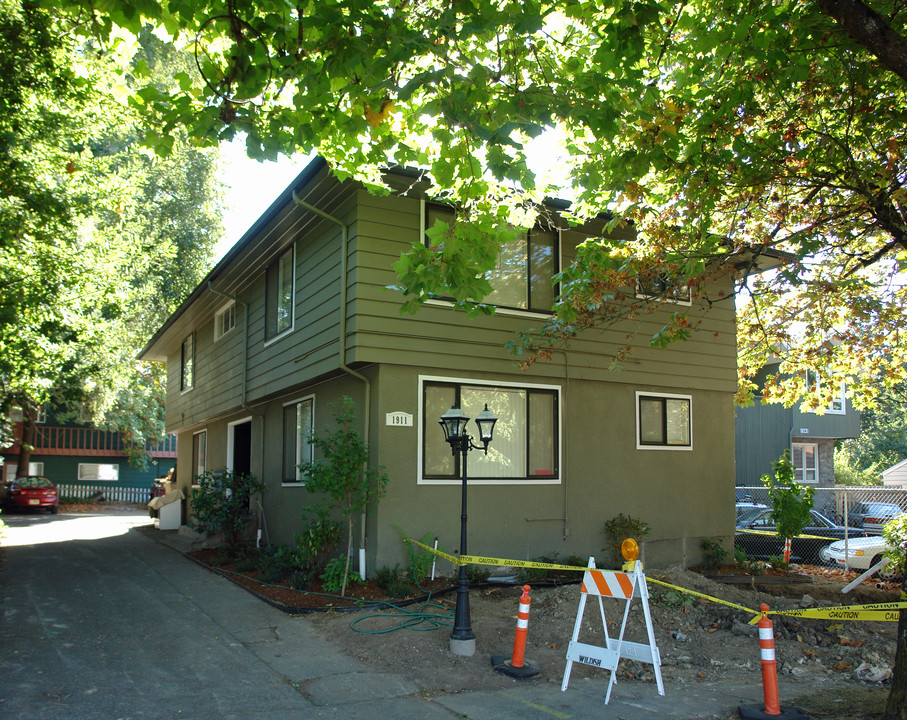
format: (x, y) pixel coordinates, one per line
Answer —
(334, 578)
(713, 554)
(393, 583)
(620, 528)
(477, 573)
(317, 543)
(221, 503)
(301, 579)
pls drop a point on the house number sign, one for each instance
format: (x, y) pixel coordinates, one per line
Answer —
(400, 419)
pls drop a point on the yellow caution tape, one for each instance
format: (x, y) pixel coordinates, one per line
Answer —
(769, 532)
(705, 597)
(882, 612)
(450, 558)
(481, 560)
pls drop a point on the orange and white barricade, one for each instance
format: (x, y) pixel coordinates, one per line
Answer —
(619, 586)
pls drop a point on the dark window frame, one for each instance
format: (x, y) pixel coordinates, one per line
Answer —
(431, 425)
(527, 280)
(663, 399)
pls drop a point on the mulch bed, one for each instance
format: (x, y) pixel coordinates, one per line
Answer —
(358, 595)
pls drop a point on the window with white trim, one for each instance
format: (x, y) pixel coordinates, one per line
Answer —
(280, 283)
(523, 277)
(187, 363)
(665, 286)
(224, 320)
(805, 459)
(663, 421)
(813, 383)
(34, 468)
(199, 453)
(526, 443)
(298, 423)
(99, 472)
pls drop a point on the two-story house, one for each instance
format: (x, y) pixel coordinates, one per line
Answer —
(298, 314)
(764, 431)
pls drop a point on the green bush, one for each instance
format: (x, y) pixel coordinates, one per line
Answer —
(477, 573)
(393, 583)
(713, 554)
(301, 579)
(620, 528)
(318, 542)
(220, 503)
(334, 578)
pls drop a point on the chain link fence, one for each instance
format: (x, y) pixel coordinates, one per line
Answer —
(839, 513)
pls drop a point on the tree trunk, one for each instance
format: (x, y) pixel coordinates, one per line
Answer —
(896, 708)
(27, 443)
(871, 30)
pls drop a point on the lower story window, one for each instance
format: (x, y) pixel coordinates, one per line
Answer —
(199, 453)
(99, 471)
(298, 422)
(805, 459)
(663, 421)
(526, 437)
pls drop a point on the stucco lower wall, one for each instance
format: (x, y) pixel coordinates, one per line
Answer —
(684, 496)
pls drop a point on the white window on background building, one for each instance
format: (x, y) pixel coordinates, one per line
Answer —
(298, 423)
(526, 444)
(663, 422)
(97, 472)
(805, 459)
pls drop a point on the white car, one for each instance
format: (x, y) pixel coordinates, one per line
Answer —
(862, 554)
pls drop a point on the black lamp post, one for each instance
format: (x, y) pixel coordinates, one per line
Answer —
(453, 422)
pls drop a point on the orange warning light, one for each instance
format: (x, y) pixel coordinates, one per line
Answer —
(629, 549)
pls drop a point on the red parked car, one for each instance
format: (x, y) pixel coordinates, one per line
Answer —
(34, 491)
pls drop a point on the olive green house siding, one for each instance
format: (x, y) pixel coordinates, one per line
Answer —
(348, 338)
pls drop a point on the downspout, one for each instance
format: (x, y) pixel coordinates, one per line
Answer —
(343, 366)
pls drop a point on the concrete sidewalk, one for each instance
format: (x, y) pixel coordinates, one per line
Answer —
(118, 625)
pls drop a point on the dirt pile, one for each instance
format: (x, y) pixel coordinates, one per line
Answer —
(699, 641)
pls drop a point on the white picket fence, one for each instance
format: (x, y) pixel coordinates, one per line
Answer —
(110, 492)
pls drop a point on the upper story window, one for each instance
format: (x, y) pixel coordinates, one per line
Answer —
(523, 278)
(280, 283)
(526, 444)
(187, 363)
(813, 382)
(663, 422)
(298, 423)
(225, 320)
(664, 286)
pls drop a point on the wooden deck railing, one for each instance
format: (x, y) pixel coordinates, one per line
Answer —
(51, 440)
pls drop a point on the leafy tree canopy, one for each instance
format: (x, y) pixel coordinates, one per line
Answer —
(99, 239)
(724, 130)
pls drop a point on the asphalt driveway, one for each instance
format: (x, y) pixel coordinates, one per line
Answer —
(101, 621)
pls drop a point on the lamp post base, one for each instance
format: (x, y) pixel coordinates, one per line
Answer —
(464, 648)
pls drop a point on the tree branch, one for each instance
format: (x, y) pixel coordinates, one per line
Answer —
(869, 29)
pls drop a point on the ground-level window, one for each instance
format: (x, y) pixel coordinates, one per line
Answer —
(805, 459)
(298, 423)
(663, 421)
(95, 472)
(526, 442)
(199, 453)
(34, 468)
